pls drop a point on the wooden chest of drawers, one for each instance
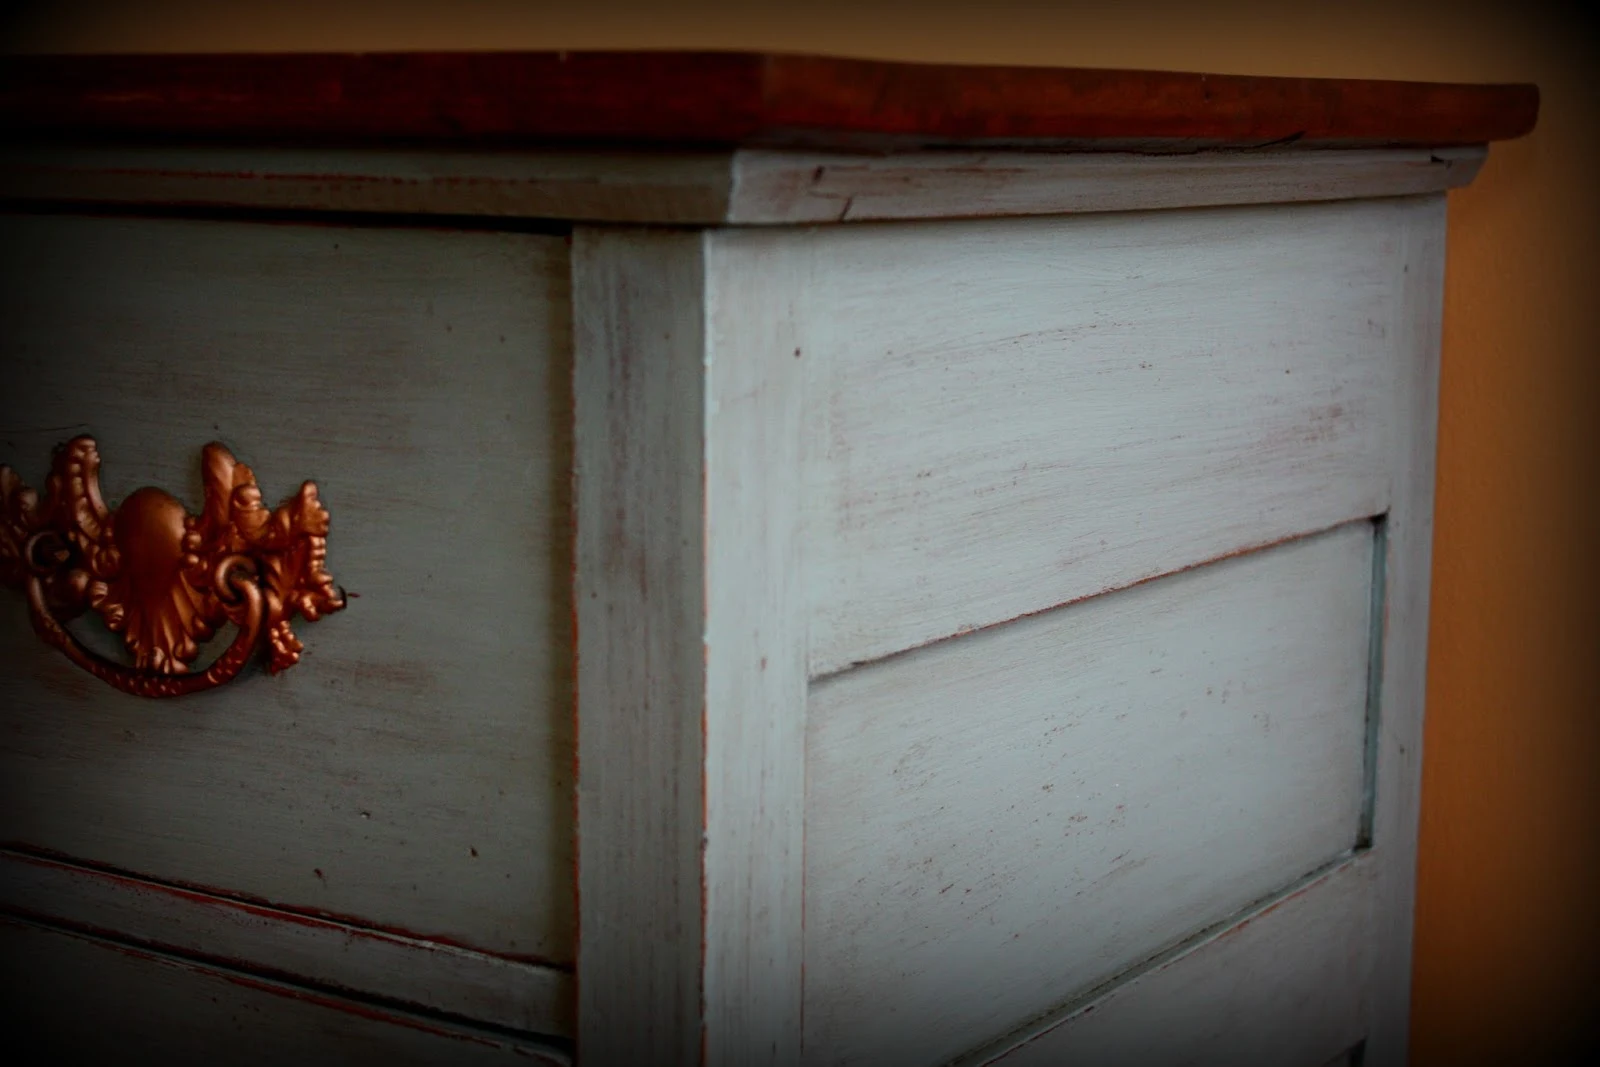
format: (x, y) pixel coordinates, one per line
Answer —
(826, 562)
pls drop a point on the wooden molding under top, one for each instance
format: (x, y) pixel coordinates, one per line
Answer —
(740, 187)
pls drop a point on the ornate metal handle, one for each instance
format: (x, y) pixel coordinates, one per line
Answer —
(161, 577)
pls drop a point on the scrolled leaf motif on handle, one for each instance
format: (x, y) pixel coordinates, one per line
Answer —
(162, 578)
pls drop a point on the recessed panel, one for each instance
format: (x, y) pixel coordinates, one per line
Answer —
(998, 823)
(1008, 415)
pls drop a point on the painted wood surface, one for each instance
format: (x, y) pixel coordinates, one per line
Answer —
(1010, 415)
(639, 344)
(1286, 986)
(798, 187)
(691, 656)
(327, 954)
(1095, 402)
(667, 187)
(998, 823)
(73, 999)
(1401, 694)
(1345, 330)
(413, 773)
(757, 307)
(664, 97)
(745, 187)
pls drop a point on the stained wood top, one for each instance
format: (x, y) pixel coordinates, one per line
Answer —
(727, 99)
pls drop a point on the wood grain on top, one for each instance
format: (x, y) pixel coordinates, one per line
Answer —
(729, 98)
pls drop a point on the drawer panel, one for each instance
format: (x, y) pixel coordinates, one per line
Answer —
(413, 772)
(1010, 415)
(999, 823)
(80, 1000)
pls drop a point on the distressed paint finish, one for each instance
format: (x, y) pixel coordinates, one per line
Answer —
(691, 654)
(1327, 968)
(796, 450)
(1284, 986)
(1001, 822)
(235, 933)
(1347, 344)
(612, 186)
(757, 303)
(1402, 689)
(798, 187)
(639, 345)
(1017, 414)
(413, 771)
(93, 1001)
(739, 186)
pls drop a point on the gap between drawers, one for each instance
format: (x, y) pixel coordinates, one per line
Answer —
(442, 981)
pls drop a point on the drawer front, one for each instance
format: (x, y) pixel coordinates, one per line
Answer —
(413, 771)
(81, 1000)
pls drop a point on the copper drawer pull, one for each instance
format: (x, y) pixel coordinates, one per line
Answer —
(162, 578)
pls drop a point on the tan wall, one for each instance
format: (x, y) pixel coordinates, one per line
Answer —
(1507, 917)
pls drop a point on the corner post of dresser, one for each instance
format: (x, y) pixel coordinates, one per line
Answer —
(691, 647)
(1402, 616)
